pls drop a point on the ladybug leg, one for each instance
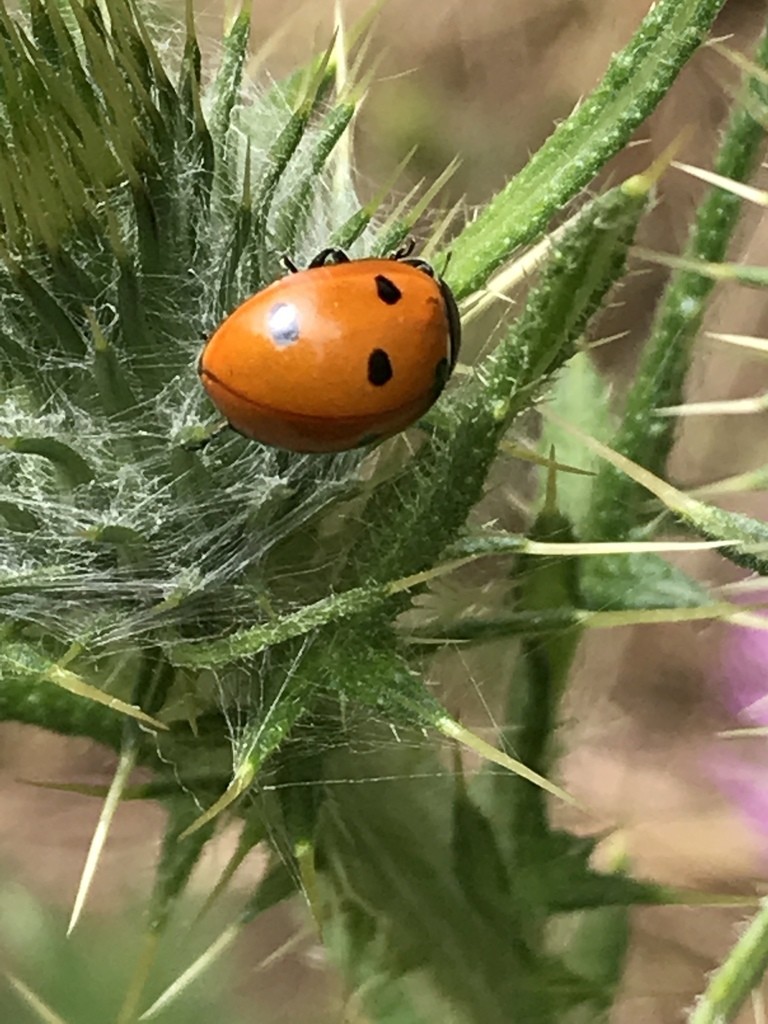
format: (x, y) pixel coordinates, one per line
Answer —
(197, 444)
(328, 256)
(287, 264)
(422, 265)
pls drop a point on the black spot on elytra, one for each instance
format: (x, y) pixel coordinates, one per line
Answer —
(379, 368)
(387, 290)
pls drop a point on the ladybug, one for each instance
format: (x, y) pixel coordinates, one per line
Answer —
(335, 356)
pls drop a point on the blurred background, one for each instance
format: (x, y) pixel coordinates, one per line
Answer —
(487, 81)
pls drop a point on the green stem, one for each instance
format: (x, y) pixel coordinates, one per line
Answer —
(636, 80)
(741, 972)
(645, 437)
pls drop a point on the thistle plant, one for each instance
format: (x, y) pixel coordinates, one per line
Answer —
(231, 617)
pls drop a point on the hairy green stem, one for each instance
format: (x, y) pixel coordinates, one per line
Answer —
(730, 985)
(644, 436)
(637, 78)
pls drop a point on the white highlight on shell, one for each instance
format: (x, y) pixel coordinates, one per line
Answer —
(283, 324)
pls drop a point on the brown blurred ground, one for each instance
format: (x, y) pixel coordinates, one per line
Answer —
(487, 80)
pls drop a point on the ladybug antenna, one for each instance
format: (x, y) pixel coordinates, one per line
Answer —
(405, 250)
(447, 262)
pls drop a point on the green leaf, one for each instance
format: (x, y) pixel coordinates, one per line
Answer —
(295, 211)
(478, 861)
(638, 581)
(17, 517)
(55, 322)
(73, 467)
(226, 86)
(392, 880)
(580, 396)
(177, 860)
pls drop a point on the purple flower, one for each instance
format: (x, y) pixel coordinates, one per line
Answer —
(744, 782)
(741, 768)
(744, 667)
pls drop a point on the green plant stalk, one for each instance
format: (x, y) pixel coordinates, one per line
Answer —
(636, 80)
(730, 985)
(495, 627)
(530, 718)
(746, 533)
(748, 537)
(547, 585)
(248, 642)
(645, 437)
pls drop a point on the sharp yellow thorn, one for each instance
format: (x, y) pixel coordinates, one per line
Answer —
(529, 455)
(749, 732)
(453, 730)
(42, 1011)
(641, 184)
(653, 616)
(209, 957)
(753, 480)
(742, 340)
(305, 858)
(194, 970)
(235, 789)
(600, 342)
(342, 166)
(738, 188)
(722, 407)
(740, 60)
(601, 548)
(521, 268)
(119, 781)
(67, 680)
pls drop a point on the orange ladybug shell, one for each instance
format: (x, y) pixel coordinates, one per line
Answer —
(334, 356)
